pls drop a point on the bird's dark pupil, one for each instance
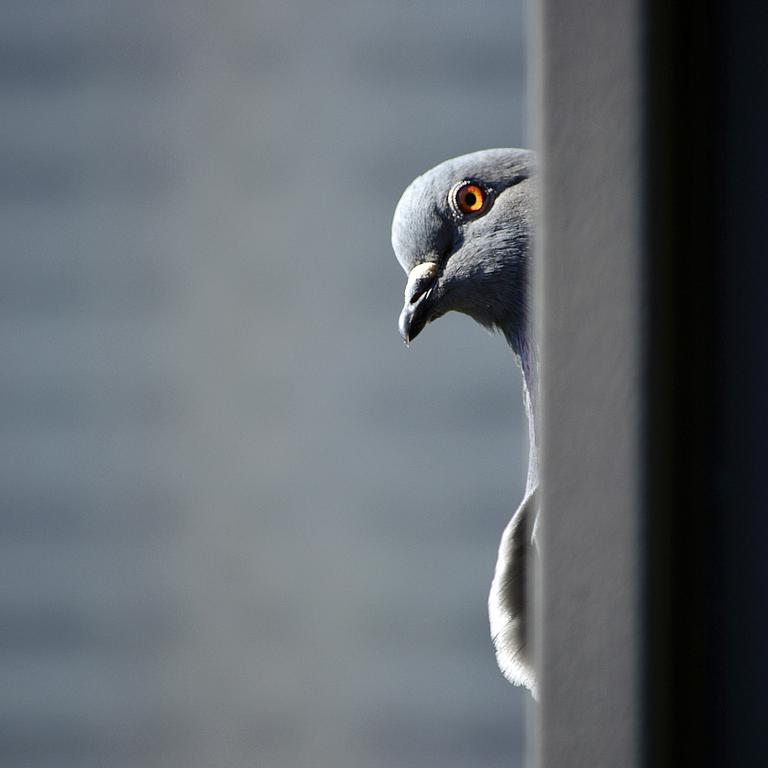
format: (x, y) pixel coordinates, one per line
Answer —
(470, 199)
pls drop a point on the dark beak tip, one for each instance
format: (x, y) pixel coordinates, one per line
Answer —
(410, 325)
(404, 326)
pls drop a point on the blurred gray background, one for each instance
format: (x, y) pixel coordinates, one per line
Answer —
(242, 524)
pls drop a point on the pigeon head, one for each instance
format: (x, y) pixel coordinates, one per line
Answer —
(461, 232)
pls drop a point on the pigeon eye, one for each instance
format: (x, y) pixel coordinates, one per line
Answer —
(470, 198)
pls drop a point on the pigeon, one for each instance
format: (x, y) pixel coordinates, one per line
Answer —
(463, 234)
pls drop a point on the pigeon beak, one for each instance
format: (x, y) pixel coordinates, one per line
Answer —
(418, 289)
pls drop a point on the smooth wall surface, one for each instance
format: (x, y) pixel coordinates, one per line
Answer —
(241, 524)
(591, 313)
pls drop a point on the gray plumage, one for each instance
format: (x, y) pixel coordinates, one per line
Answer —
(477, 262)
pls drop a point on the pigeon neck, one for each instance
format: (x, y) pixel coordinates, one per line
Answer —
(526, 353)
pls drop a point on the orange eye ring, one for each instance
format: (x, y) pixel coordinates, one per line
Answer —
(470, 198)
